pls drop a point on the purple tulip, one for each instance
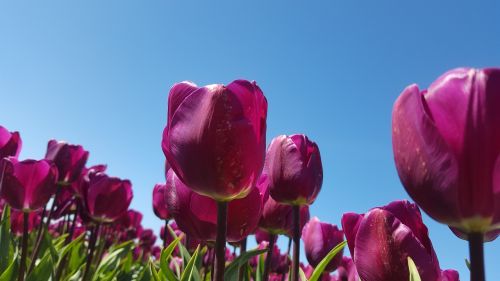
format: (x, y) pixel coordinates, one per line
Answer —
(381, 241)
(446, 142)
(107, 198)
(293, 165)
(10, 143)
(17, 221)
(27, 185)
(215, 137)
(70, 159)
(278, 218)
(159, 204)
(262, 235)
(319, 239)
(196, 214)
(347, 270)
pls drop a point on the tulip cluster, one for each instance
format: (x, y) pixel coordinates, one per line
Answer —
(71, 221)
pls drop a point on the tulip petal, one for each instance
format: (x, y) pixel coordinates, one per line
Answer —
(424, 162)
(382, 243)
(350, 225)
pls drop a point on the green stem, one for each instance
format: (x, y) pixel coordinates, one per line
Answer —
(92, 242)
(24, 248)
(269, 256)
(243, 249)
(476, 253)
(296, 242)
(220, 241)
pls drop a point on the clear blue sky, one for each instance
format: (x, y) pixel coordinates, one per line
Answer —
(97, 73)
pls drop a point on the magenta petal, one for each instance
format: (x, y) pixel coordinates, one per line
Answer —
(159, 204)
(350, 225)
(10, 143)
(449, 275)
(424, 161)
(319, 239)
(213, 146)
(386, 259)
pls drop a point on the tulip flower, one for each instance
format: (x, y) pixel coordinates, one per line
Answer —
(347, 271)
(107, 198)
(215, 137)
(69, 159)
(159, 204)
(293, 165)
(446, 143)
(215, 142)
(381, 241)
(17, 221)
(319, 239)
(262, 235)
(27, 185)
(10, 143)
(196, 215)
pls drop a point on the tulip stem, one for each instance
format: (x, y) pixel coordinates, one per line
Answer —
(165, 235)
(92, 242)
(243, 249)
(38, 240)
(476, 253)
(24, 247)
(269, 256)
(296, 242)
(62, 264)
(220, 242)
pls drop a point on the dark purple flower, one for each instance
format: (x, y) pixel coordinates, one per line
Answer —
(293, 165)
(319, 239)
(196, 214)
(278, 218)
(107, 198)
(10, 143)
(70, 159)
(27, 185)
(159, 204)
(215, 137)
(446, 142)
(381, 241)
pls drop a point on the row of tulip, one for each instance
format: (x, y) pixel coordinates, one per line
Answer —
(73, 222)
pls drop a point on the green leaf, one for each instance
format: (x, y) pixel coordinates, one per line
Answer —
(42, 270)
(5, 239)
(165, 254)
(412, 268)
(109, 265)
(66, 249)
(154, 273)
(259, 272)
(231, 272)
(467, 263)
(188, 270)
(302, 275)
(185, 254)
(318, 271)
(10, 274)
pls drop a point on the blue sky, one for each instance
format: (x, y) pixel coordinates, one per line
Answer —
(97, 73)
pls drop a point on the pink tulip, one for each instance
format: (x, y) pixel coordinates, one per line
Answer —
(107, 198)
(159, 204)
(27, 185)
(215, 137)
(293, 165)
(319, 239)
(278, 218)
(10, 143)
(196, 214)
(381, 241)
(446, 142)
(69, 159)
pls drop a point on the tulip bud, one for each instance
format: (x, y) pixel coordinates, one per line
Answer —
(196, 215)
(27, 185)
(10, 143)
(107, 198)
(293, 165)
(159, 204)
(446, 143)
(319, 239)
(215, 137)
